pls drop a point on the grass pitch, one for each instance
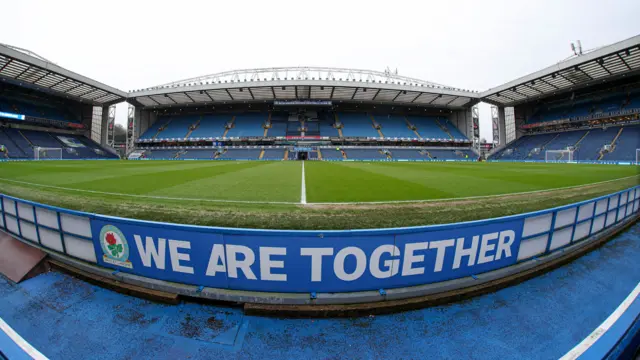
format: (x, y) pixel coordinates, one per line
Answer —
(265, 194)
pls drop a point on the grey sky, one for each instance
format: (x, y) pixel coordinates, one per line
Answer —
(467, 44)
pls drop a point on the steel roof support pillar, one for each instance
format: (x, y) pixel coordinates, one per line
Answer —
(475, 124)
(110, 124)
(131, 134)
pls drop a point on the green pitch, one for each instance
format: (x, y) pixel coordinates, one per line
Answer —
(269, 194)
(326, 182)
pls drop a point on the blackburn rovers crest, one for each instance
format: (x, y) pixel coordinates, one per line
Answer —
(115, 247)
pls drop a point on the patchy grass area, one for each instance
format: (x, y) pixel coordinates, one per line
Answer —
(267, 194)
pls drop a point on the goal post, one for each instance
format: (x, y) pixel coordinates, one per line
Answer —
(637, 156)
(559, 156)
(46, 153)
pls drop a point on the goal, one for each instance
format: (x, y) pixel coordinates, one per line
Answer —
(637, 156)
(559, 156)
(45, 153)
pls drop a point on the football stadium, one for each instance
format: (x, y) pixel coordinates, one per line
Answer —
(321, 192)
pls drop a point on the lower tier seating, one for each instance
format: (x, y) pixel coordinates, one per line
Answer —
(589, 145)
(20, 144)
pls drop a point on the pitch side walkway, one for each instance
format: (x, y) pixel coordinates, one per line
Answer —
(543, 318)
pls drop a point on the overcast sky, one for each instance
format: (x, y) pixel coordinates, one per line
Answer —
(466, 44)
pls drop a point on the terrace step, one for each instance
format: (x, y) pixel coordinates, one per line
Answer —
(261, 151)
(319, 154)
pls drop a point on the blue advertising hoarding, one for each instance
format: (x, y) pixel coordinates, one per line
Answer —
(302, 261)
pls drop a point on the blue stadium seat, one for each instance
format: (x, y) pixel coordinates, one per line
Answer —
(357, 125)
(211, 126)
(394, 126)
(178, 127)
(331, 154)
(365, 154)
(160, 154)
(428, 128)
(248, 125)
(200, 154)
(240, 154)
(408, 154)
(588, 149)
(16, 151)
(273, 154)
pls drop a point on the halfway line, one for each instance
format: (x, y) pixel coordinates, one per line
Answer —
(303, 188)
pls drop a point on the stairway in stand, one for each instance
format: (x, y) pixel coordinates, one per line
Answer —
(226, 130)
(444, 128)
(410, 126)
(337, 120)
(373, 124)
(193, 127)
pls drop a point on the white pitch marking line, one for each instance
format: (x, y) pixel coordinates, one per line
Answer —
(303, 188)
(319, 203)
(22, 343)
(468, 197)
(600, 330)
(151, 196)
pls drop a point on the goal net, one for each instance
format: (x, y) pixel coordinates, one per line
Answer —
(559, 156)
(45, 153)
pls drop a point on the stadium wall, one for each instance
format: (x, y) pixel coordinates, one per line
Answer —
(462, 120)
(314, 267)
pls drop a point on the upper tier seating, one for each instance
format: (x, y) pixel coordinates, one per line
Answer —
(153, 129)
(278, 128)
(427, 127)
(394, 126)
(248, 125)
(251, 125)
(40, 111)
(453, 130)
(584, 107)
(178, 127)
(327, 129)
(357, 125)
(211, 126)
